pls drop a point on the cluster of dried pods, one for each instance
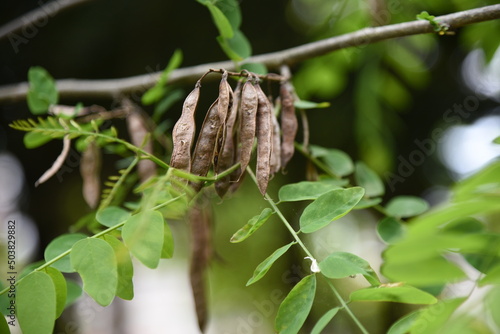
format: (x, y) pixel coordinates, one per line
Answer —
(229, 130)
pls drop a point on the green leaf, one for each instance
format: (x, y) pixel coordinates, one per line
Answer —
(42, 90)
(328, 207)
(221, 21)
(35, 139)
(338, 161)
(73, 292)
(492, 302)
(394, 293)
(95, 261)
(60, 245)
(253, 225)
(431, 271)
(156, 93)
(167, 250)
(368, 179)
(296, 306)
(404, 324)
(492, 277)
(367, 203)
(231, 10)
(112, 215)
(224, 44)
(143, 234)
(258, 68)
(125, 269)
(265, 265)
(342, 264)
(431, 319)
(306, 190)
(36, 304)
(324, 320)
(482, 182)
(390, 230)
(303, 104)
(240, 45)
(4, 328)
(60, 288)
(406, 206)
(496, 140)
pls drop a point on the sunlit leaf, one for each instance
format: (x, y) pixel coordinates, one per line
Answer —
(60, 288)
(324, 320)
(406, 206)
(265, 265)
(492, 276)
(390, 230)
(393, 293)
(306, 190)
(143, 234)
(431, 319)
(483, 182)
(253, 225)
(156, 93)
(328, 207)
(60, 245)
(36, 304)
(95, 261)
(497, 140)
(224, 44)
(112, 215)
(431, 271)
(493, 304)
(42, 91)
(368, 179)
(125, 270)
(342, 264)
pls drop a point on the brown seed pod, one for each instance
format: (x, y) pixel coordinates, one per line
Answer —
(227, 155)
(184, 130)
(225, 105)
(248, 121)
(264, 139)
(90, 169)
(276, 148)
(289, 124)
(205, 145)
(201, 254)
(138, 130)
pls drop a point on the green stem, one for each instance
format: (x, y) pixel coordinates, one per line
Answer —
(299, 241)
(118, 184)
(346, 307)
(283, 219)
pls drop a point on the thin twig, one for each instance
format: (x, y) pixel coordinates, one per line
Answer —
(137, 84)
(37, 16)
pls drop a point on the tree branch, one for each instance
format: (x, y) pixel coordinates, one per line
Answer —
(138, 84)
(37, 16)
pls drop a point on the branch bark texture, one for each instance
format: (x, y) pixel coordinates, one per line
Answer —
(138, 84)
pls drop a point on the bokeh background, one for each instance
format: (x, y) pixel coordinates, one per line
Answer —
(385, 99)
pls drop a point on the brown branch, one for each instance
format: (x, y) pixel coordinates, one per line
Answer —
(137, 84)
(38, 16)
